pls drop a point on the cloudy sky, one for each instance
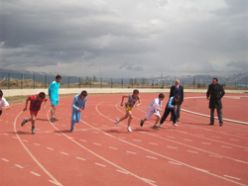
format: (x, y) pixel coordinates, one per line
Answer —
(124, 38)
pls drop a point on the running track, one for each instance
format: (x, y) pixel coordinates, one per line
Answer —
(99, 153)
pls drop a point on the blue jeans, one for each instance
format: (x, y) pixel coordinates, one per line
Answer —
(75, 118)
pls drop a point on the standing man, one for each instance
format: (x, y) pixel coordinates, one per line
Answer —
(177, 90)
(214, 94)
(53, 92)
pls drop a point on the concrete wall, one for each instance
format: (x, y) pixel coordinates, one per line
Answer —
(24, 92)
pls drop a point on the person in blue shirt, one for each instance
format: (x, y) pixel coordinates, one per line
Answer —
(78, 105)
(170, 108)
(53, 92)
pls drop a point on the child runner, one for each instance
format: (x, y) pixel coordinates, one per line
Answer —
(53, 92)
(131, 102)
(154, 108)
(78, 105)
(170, 108)
(3, 102)
(35, 104)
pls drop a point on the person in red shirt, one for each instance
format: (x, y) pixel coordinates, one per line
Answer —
(34, 107)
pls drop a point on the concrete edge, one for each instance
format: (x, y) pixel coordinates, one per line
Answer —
(25, 92)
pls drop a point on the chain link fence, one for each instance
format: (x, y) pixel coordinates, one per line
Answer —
(14, 80)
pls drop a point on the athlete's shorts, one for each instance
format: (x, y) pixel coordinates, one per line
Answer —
(34, 112)
(54, 102)
(152, 112)
(1, 112)
(128, 108)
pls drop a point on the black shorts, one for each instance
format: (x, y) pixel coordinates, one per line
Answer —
(1, 112)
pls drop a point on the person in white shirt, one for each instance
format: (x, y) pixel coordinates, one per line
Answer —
(3, 102)
(154, 109)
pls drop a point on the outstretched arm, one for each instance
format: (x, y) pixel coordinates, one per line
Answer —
(122, 100)
(26, 104)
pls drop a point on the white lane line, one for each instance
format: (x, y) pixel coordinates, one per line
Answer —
(153, 144)
(188, 140)
(224, 119)
(101, 157)
(5, 160)
(226, 147)
(172, 137)
(174, 163)
(113, 148)
(19, 166)
(172, 147)
(80, 158)
(151, 157)
(158, 154)
(193, 151)
(64, 153)
(122, 171)
(97, 144)
(34, 173)
(30, 153)
(234, 140)
(53, 182)
(137, 140)
(215, 156)
(36, 144)
(235, 178)
(83, 140)
(5, 134)
(100, 164)
(205, 143)
(131, 152)
(24, 140)
(50, 148)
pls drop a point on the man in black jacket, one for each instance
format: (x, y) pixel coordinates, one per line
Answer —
(177, 90)
(214, 95)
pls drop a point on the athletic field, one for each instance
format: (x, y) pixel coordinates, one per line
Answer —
(100, 153)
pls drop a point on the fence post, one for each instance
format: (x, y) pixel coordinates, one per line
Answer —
(8, 81)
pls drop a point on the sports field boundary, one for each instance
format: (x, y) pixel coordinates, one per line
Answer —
(64, 91)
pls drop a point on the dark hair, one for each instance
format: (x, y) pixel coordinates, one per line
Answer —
(161, 96)
(135, 91)
(1, 93)
(58, 77)
(84, 93)
(215, 78)
(42, 95)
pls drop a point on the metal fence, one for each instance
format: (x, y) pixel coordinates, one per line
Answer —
(13, 80)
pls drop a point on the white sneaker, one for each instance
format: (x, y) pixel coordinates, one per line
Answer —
(129, 129)
(175, 125)
(117, 120)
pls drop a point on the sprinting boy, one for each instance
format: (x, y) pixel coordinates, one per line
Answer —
(53, 92)
(78, 106)
(35, 105)
(132, 100)
(3, 102)
(154, 109)
(170, 108)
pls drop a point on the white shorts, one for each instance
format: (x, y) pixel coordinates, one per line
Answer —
(151, 112)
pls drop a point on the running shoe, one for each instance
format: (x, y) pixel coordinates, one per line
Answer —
(33, 130)
(129, 129)
(24, 122)
(141, 123)
(117, 120)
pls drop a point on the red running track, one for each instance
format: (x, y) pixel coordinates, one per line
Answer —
(99, 153)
